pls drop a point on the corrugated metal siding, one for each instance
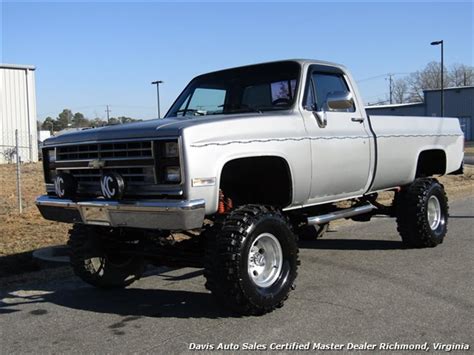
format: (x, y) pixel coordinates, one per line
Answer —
(457, 103)
(412, 110)
(18, 111)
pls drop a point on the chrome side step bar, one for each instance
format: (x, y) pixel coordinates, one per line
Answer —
(346, 213)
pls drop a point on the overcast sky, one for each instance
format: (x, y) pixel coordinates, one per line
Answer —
(89, 55)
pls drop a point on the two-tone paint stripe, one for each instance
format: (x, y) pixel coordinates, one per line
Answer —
(300, 139)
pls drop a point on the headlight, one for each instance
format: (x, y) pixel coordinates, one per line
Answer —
(51, 155)
(171, 150)
(172, 174)
(49, 158)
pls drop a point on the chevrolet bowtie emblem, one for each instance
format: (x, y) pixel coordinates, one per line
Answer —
(96, 164)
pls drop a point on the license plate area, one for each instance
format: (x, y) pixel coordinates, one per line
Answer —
(95, 215)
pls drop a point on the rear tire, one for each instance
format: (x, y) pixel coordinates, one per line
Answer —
(251, 260)
(97, 267)
(422, 213)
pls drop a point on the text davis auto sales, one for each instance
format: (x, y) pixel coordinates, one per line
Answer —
(446, 347)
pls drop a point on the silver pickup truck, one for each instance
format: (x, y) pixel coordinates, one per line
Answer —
(245, 160)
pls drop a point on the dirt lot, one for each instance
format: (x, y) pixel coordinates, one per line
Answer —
(22, 233)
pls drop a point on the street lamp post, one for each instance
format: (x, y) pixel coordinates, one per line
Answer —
(435, 43)
(157, 83)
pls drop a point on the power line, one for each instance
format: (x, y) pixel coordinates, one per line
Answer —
(371, 78)
(380, 76)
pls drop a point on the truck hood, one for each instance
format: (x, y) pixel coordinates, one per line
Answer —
(168, 127)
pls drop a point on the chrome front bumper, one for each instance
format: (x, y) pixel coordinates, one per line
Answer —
(148, 214)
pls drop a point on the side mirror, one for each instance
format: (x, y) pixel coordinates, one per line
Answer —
(339, 100)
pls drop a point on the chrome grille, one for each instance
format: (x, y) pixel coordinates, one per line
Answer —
(133, 161)
(108, 151)
(135, 175)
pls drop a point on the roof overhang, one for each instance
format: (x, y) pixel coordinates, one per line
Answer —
(17, 66)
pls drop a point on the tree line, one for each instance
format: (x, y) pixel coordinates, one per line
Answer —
(410, 88)
(68, 119)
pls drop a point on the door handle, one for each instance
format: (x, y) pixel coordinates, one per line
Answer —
(357, 119)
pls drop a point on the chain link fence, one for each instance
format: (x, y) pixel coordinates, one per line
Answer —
(16, 148)
(10, 140)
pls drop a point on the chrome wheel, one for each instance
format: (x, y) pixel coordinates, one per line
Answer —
(98, 265)
(265, 260)
(434, 212)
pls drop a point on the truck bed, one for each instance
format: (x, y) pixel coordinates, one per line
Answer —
(401, 139)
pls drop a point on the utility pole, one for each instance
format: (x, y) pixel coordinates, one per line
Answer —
(157, 83)
(390, 82)
(108, 113)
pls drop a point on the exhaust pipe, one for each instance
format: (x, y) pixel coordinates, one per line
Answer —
(346, 213)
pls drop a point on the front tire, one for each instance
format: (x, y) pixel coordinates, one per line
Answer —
(251, 260)
(422, 213)
(94, 265)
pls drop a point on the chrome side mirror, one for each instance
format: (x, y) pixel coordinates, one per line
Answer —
(339, 100)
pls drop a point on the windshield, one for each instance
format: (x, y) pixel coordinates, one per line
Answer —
(256, 88)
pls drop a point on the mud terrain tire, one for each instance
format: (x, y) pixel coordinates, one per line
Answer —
(422, 213)
(95, 266)
(251, 260)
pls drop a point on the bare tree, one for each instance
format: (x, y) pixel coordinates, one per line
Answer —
(461, 75)
(399, 91)
(428, 78)
(410, 88)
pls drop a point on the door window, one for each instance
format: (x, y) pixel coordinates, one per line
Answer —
(322, 85)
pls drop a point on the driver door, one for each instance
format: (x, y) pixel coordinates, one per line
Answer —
(340, 139)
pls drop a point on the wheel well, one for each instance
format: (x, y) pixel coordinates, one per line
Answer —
(431, 162)
(262, 180)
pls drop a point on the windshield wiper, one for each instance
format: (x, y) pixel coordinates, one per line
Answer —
(273, 108)
(241, 108)
(192, 110)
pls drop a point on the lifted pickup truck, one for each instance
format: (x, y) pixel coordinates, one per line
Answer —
(245, 160)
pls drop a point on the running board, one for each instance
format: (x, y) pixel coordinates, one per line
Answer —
(346, 213)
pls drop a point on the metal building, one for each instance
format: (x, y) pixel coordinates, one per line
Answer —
(18, 112)
(458, 102)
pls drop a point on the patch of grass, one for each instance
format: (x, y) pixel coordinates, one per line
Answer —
(28, 231)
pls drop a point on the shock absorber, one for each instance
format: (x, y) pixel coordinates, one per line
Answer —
(225, 204)
(221, 208)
